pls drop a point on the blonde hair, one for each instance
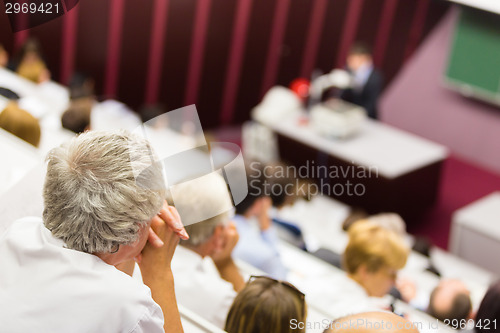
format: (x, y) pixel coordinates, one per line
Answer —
(32, 70)
(265, 305)
(4, 56)
(31, 65)
(20, 123)
(373, 246)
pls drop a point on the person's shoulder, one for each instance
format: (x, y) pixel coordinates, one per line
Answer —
(129, 297)
(23, 226)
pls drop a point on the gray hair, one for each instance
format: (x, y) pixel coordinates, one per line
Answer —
(203, 204)
(100, 188)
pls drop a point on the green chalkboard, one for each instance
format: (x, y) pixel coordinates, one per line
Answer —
(474, 60)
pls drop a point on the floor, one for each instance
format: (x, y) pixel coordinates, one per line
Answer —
(461, 183)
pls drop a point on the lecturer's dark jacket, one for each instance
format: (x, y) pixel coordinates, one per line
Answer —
(368, 95)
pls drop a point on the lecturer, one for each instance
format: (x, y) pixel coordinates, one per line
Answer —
(367, 80)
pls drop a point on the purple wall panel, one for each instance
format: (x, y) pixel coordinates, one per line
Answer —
(135, 51)
(91, 50)
(176, 52)
(92, 47)
(295, 41)
(255, 58)
(49, 36)
(215, 61)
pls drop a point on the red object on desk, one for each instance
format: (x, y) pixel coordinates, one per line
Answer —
(300, 87)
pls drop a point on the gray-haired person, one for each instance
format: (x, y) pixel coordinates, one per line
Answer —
(206, 286)
(58, 273)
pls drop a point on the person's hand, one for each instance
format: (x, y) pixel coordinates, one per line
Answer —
(174, 222)
(166, 229)
(164, 234)
(229, 239)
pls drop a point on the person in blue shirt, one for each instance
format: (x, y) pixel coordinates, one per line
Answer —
(258, 238)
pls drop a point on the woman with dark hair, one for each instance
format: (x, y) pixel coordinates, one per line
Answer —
(267, 305)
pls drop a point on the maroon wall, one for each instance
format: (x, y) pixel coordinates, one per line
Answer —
(201, 42)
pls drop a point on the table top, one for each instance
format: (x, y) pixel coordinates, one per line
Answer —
(482, 215)
(391, 151)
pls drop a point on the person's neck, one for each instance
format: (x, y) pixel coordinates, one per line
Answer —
(248, 214)
(108, 258)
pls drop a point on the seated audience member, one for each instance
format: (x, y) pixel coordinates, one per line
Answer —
(4, 57)
(258, 238)
(372, 322)
(371, 260)
(58, 272)
(488, 315)
(30, 64)
(373, 256)
(201, 287)
(77, 117)
(267, 305)
(450, 300)
(106, 115)
(81, 85)
(20, 123)
(390, 221)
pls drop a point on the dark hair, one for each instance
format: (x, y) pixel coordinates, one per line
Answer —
(489, 308)
(360, 48)
(256, 188)
(277, 181)
(81, 85)
(148, 112)
(460, 309)
(77, 117)
(31, 45)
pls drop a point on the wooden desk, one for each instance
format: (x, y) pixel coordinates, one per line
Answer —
(385, 168)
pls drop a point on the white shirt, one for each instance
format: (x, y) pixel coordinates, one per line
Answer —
(199, 287)
(344, 297)
(45, 287)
